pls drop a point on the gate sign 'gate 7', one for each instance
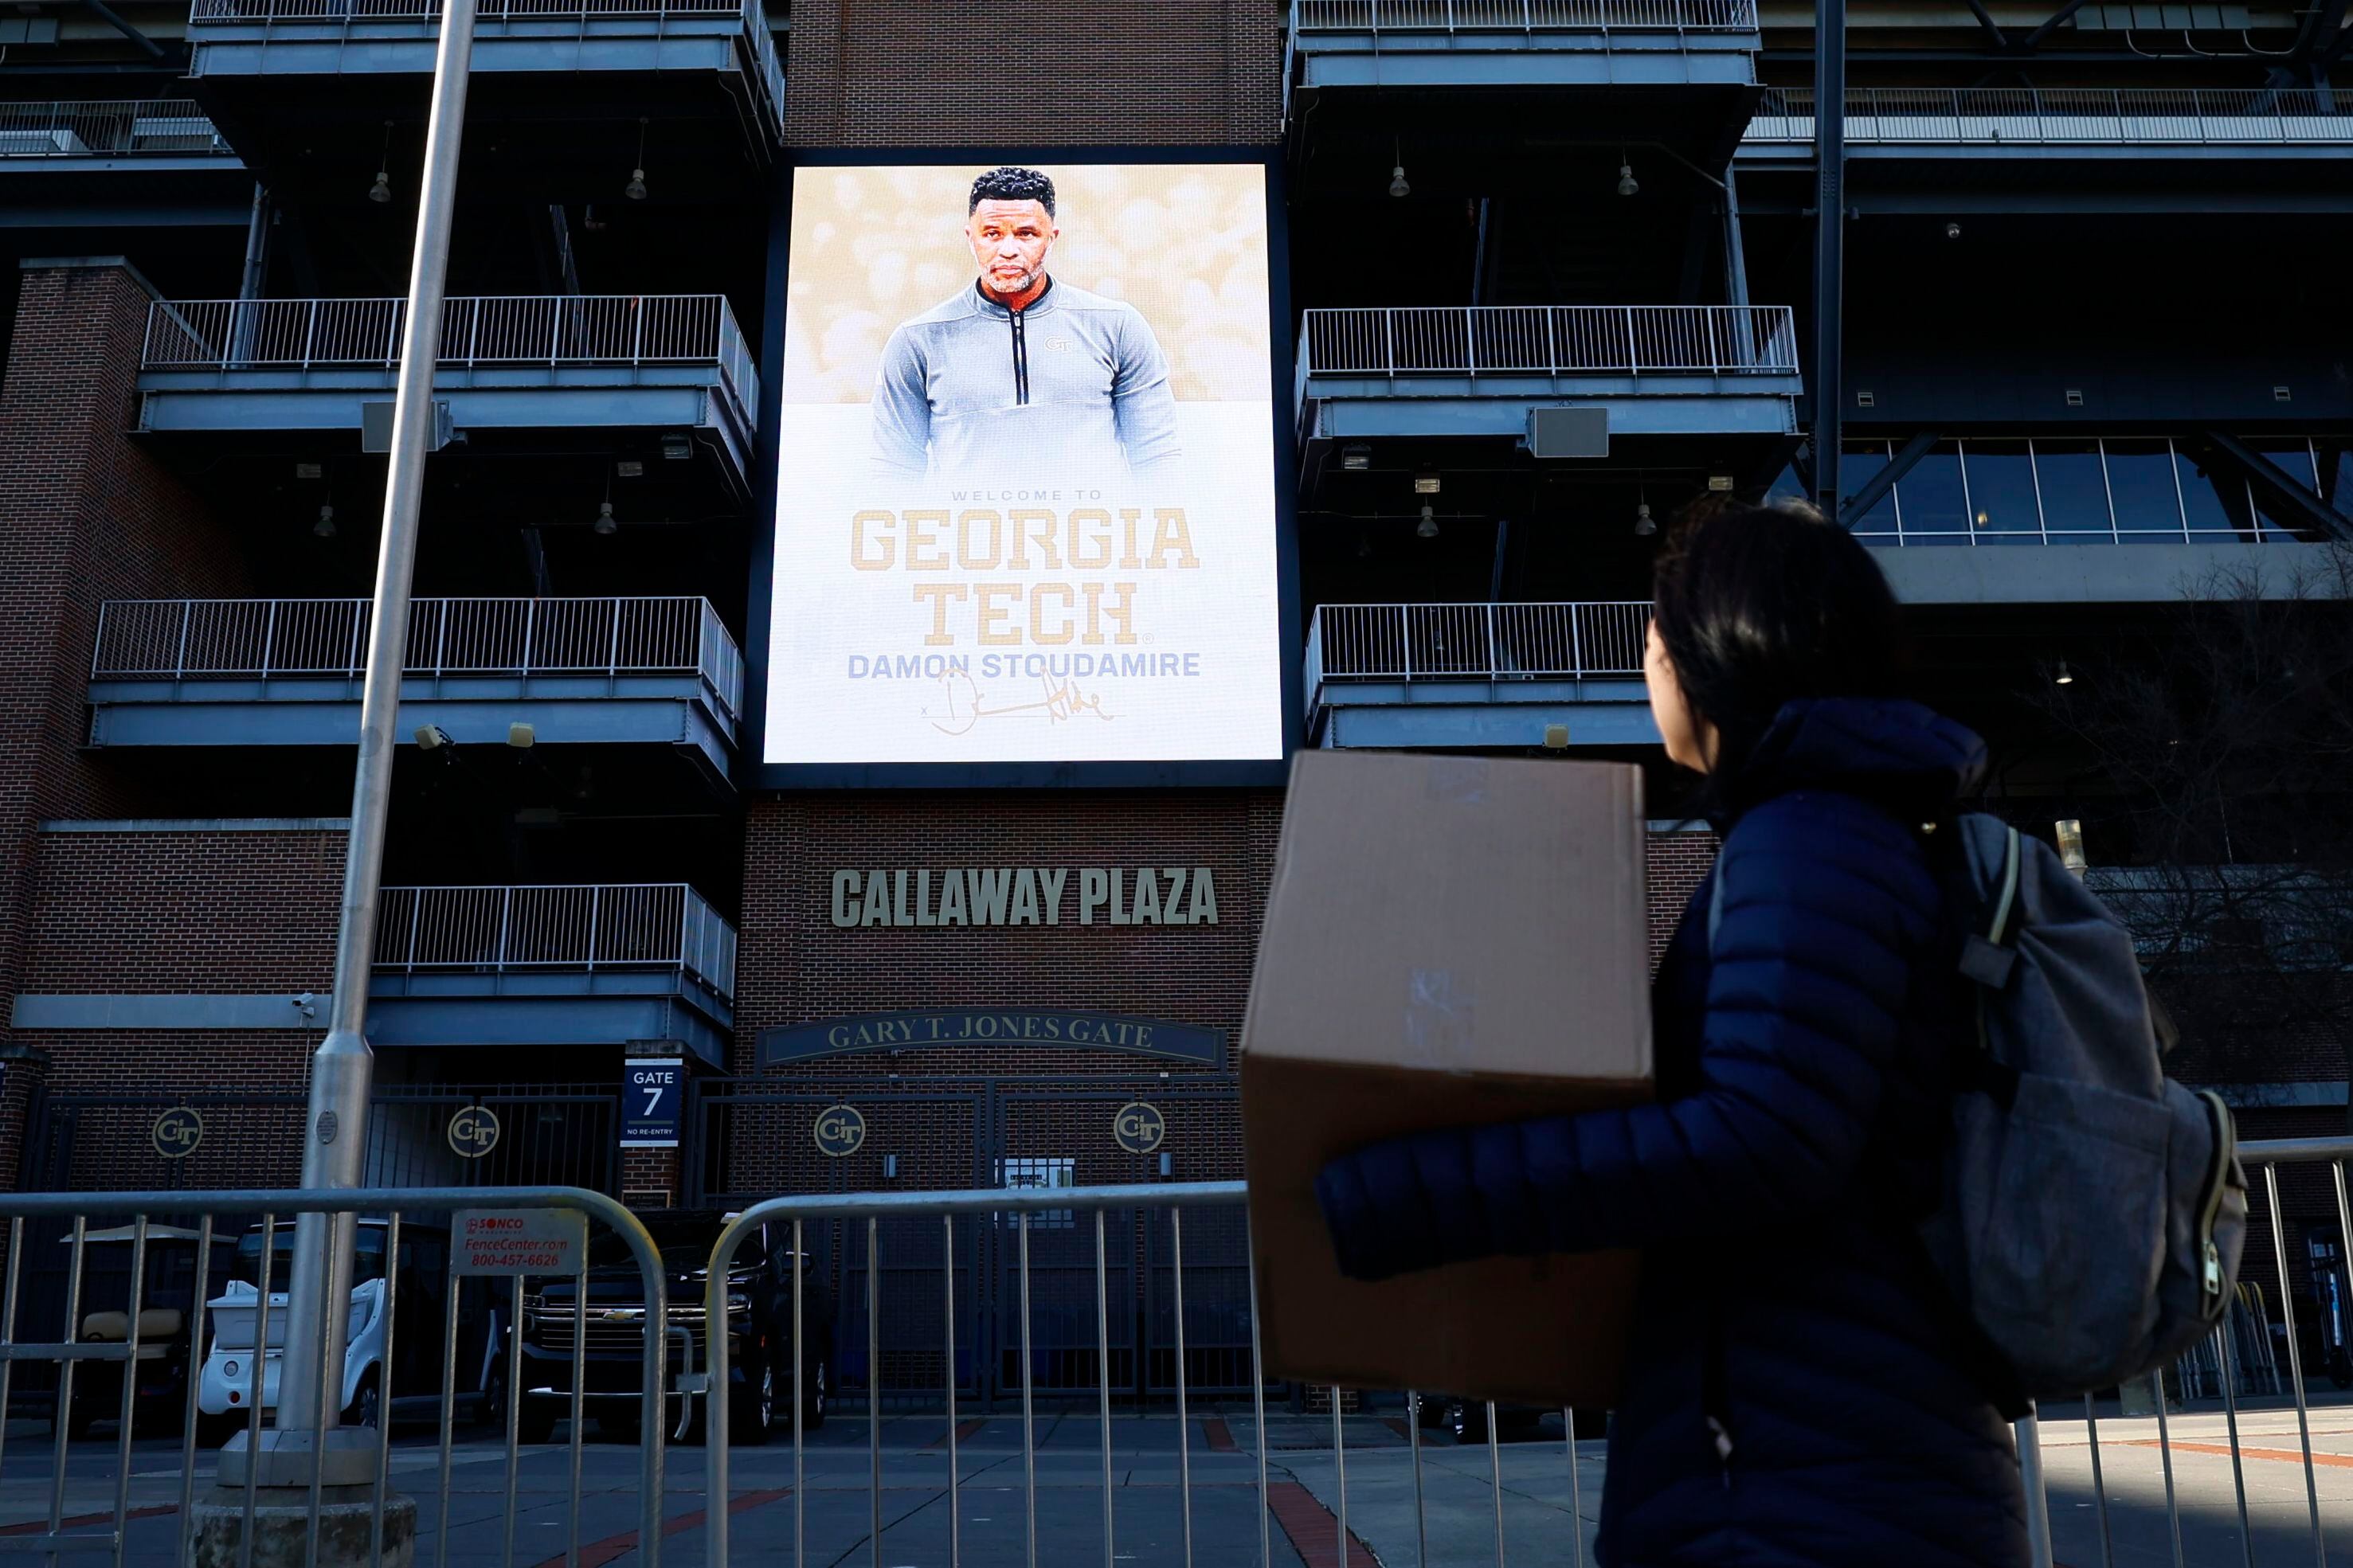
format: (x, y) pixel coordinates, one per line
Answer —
(652, 1088)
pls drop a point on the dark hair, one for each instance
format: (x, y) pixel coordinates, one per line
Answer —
(1758, 606)
(1011, 184)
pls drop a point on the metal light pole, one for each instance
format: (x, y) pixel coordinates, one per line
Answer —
(1829, 248)
(334, 1146)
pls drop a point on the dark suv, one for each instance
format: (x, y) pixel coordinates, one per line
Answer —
(759, 1333)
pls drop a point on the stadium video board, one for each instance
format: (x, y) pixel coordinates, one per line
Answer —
(1026, 503)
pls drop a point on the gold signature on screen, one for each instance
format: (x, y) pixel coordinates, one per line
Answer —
(1060, 700)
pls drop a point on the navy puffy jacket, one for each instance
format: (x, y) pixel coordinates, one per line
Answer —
(1800, 1057)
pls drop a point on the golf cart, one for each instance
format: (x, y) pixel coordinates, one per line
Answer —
(229, 1386)
(167, 1296)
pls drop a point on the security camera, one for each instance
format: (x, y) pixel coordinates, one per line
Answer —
(432, 737)
(302, 1005)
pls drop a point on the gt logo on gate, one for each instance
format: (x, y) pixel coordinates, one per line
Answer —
(177, 1132)
(1139, 1127)
(474, 1131)
(840, 1131)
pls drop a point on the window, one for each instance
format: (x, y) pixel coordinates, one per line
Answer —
(2141, 482)
(2002, 506)
(1039, 1170)
(2214, 494)
(1931, 500)
(2333, 460)
(1861, 462)
(2297, 460)
(2074, 492)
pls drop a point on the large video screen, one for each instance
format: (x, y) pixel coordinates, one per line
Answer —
(1025, 497)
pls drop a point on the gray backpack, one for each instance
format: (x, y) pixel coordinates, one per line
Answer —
(2093, 1209)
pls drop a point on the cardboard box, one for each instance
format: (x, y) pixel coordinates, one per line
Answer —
(1448, 941)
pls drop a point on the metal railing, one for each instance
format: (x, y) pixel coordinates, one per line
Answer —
(430, 10)
(500, 930)
(2203, 1476)
(2062, 1454)
(80, 1341)
(1475, 642)
(1997, 116)
(1310, 16)
(551, 329)
(83, 128)
(1549, 339)
(186, 639)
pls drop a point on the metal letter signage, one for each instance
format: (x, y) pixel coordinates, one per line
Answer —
(177, 1132)
(1025, 896)
(840, 1131)
(474, 1131)
(978, 1027)
(652, 1088)
(518, 1241)
(1139, 1127)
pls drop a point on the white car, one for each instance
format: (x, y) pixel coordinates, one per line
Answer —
(231, 1383)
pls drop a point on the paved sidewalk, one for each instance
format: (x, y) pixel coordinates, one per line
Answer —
(1546, 1517)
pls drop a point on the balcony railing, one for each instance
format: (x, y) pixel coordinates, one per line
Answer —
(554, 330)
(146, 127)
(627, 926)
(1311, 17)
(1550, 340)
(1475, 642)
(430, 10)
(195, 639)
(2004, 116)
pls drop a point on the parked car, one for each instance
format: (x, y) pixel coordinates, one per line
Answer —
(1466, 1420)
(167, 1316)
(226, 1386)
(759, 1334)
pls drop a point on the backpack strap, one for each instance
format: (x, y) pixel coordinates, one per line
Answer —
(1988, 956)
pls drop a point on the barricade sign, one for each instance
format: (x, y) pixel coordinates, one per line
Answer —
(518, 1241)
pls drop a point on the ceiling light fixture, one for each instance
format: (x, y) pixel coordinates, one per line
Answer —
(636, 189)
(1355, 459)
(1398, 186)
(1645, 524)
(1425, 483)
(2062, 678)
(381, 192)
(325, 527)
(605, 523)
(1627, 184)
(1428, 527)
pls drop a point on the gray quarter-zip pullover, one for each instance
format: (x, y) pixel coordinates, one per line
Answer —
(1074, 388)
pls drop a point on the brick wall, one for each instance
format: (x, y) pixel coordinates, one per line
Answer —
(166, 912)
(1677, 863)
(198, 911)
(795, 965)
(86, 515)
(1060, 73)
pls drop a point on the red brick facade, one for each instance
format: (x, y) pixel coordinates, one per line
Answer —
(85, 516)
(869, 73)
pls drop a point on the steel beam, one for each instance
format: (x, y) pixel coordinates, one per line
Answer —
(2300, 498)
(1880, 483)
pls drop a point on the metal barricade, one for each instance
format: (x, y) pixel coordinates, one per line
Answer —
(2122, 1486)
(106, 1338)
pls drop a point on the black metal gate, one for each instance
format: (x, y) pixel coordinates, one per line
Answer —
(533, 1135)
(754, 1139)
(545, 1135)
